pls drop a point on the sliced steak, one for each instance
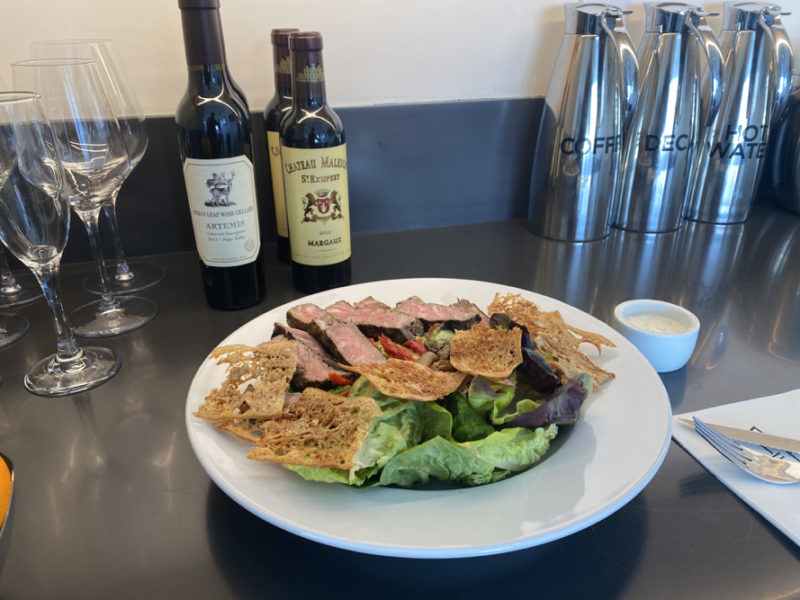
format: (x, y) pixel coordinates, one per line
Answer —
(345, 341)
(398, 326)
(314, 364)
(302, 315)
(459, 315)
(341, 310)
(370, 302)
(301, 336)
(469, 306)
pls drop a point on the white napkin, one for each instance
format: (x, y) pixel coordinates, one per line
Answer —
(778, 415)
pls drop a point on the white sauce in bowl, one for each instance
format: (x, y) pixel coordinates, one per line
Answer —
(656, 323)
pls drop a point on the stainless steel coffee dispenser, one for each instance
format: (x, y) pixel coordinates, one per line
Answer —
(660, 144)
(758, 73)
(591, 97)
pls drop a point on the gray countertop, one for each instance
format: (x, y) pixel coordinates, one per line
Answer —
(110, 501)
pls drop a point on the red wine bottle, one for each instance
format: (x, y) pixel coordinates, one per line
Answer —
(314, 164)
(216, 149)
(276, 110)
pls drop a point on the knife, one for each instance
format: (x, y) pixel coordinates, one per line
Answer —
(752, 437)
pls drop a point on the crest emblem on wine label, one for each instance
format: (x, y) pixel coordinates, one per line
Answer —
(284, 66)
(322, 205)
(220, 185)
(312, 73)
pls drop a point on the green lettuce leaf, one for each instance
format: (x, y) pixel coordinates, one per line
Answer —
(497, 399)
(468, 423)
(469, 463)
(439, 459)
(436, 421)
(515, 448)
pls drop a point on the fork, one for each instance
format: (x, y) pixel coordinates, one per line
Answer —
(767, 468)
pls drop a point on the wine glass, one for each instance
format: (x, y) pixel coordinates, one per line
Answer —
(34, 221)
(95, 162)
(15, 290)
(126, 277)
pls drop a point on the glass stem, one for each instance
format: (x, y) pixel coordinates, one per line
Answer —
(8, 283)
(123, 271)
(90, 219)
(49, 277)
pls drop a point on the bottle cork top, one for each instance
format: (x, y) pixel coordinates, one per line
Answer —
(280, 37)
(201, 4)
(305, 40)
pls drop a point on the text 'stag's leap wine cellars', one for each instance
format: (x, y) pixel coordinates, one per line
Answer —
(314, 167)
(277, 109)
(215, 145)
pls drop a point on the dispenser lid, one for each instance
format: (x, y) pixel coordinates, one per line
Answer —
(668, 17)
(587, 18)
(744, 16)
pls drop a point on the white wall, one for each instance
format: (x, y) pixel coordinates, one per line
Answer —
(376, 51)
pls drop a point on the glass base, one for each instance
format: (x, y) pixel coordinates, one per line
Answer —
(26, 291)
(139, 276)
(131, 312)
(52, 377)
(12, 327)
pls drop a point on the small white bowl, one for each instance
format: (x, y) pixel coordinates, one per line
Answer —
(665, 333)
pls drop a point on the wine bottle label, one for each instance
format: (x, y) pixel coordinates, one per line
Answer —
(274, 150)
(222, 202)
(317, 205)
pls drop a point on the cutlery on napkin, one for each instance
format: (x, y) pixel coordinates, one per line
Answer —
(753, 437)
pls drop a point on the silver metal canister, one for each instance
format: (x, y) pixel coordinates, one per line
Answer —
(660, 144)
(591, 96)
(758, 57)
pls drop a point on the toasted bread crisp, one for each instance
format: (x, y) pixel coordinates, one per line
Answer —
(558, 341)
(319, 429)
(409, 380)
(246, 429)
(493, 353)
(255, 385)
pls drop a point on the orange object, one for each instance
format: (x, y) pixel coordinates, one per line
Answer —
(6, 480)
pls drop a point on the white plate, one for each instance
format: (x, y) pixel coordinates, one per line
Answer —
(593, 469)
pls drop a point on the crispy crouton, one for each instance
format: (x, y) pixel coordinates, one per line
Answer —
(493, 353)
(255, 385)
(319, 429)
(409, 380)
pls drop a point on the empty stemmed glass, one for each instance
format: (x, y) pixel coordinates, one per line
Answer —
(15, 290)
(34, 221)
(126, 277)
(95, 162)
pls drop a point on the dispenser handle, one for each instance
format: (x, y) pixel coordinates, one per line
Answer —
(782, 49)
(628, 66)
(696, 23)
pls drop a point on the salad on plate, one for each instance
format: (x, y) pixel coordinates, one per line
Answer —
(367, 394)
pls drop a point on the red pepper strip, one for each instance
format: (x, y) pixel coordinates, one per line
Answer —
(416, 345)
(338, 379)
(432, 327)
(395, 350)
(345, 392)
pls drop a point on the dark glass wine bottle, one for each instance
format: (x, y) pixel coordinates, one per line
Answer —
(314, 162)
(276, 110)
(216, 149)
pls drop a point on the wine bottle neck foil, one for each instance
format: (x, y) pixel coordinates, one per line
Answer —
(308, 73)
(282, 61)
(202, 36)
